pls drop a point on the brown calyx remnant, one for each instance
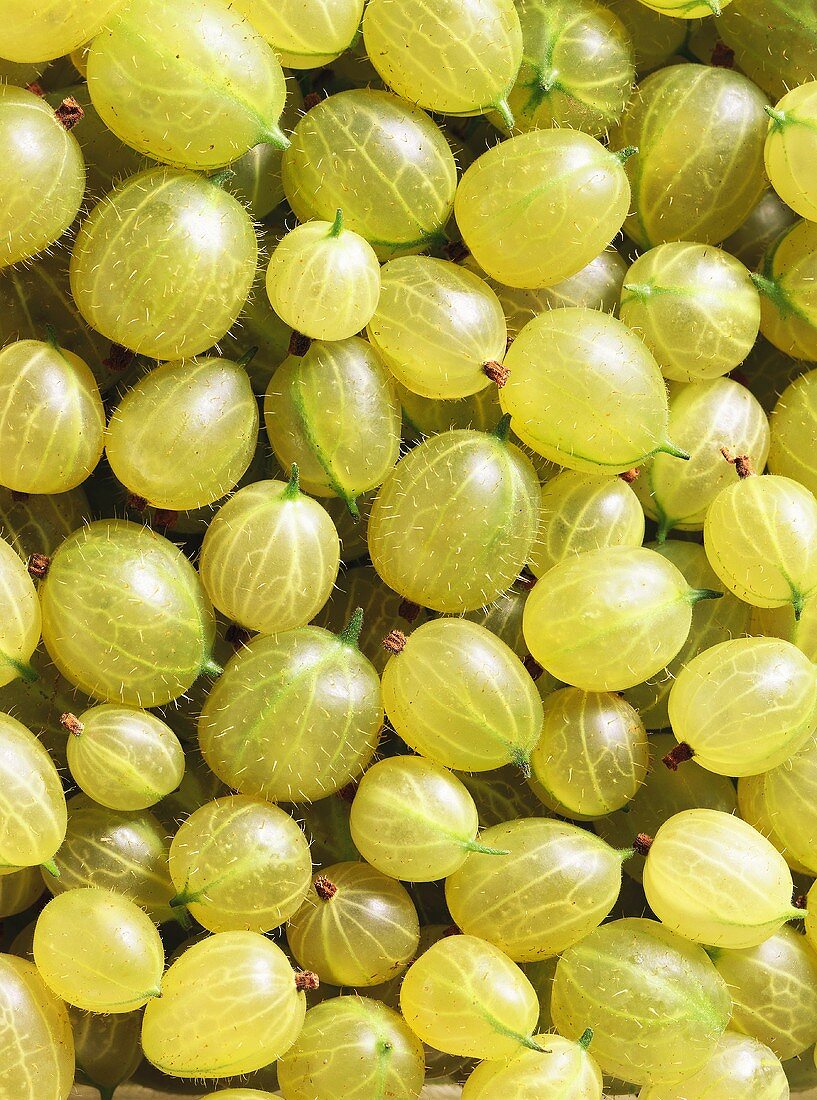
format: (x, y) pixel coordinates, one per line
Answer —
(408, 610)
(642, 844)
(35, 88)
(630, 475)
(306, 979)
(395, 641)
(533, 667)
(525, 581)
(679, 754)
(456, 251)
(508, 341)
(325, 889)
(348, 792)
(19, 497)
(69, 113)
(799, 901)
(312, 99)
(723, 56)
(742, 463)
(165, 517)
(38, 565)
(71, 723)
(136, 503)
(119, 358)
(299, 344)
(498, 374)
(237, 636)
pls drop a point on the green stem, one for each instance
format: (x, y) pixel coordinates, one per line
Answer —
(713, 6)
(798, 602)
(586, 1038)
(274, 135)
(293, 488)
(665, 525)
(695, 595)
(351, 504)
(623, 155)
(777, 117)
(51, 866)
(247, 357)
(220, 178)
(337, 225)
(475, 846)
(24, 671)
(642, 291)
(183, 918)
(350, 635)
(670, 449)
(51, 337)
(211, 668)
(522, 761)
(528, 1041)
(505, 113)
(772, 290)
(502, 428)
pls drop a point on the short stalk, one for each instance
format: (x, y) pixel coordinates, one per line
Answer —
(276, 136)
(798, 602)
(293, 488)
(778, 117)
(221, 177)
(586, 1038)
(505, 113)
(247, 357)
(475, 846)
(25, 671)
(350, 635)
(670, 449)
(503, 428)
(695, 595)
(772, 290)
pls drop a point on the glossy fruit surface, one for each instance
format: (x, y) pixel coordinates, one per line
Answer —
(517, 226)
(213, 61)
(567, 368)
(117, 572)
(381, 161)
(699, 171)
(643, 967)
(455, 521)
(164, 264)
(42, 158)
